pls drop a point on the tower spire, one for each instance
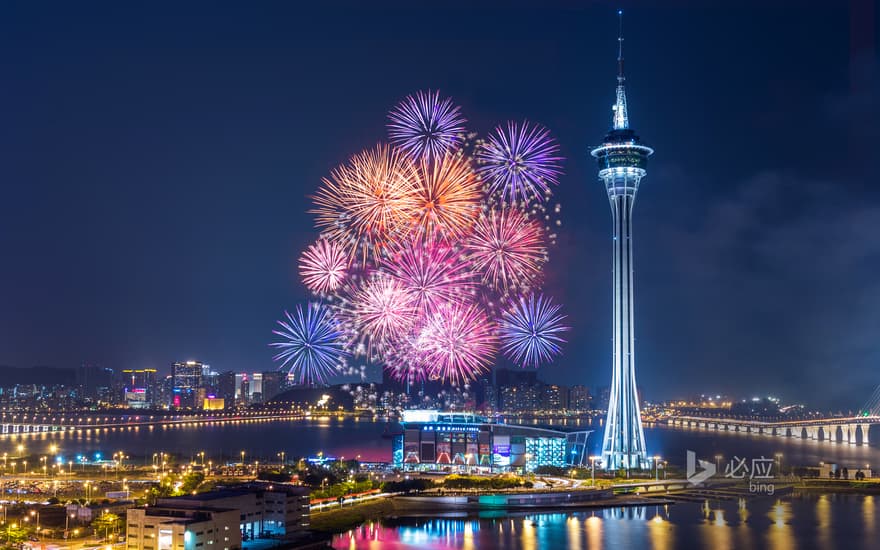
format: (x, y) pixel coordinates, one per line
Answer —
(620, 120)
(620, 77)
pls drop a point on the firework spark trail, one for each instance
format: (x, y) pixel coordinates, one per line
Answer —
(531, 331)
(432, 273)
(368, 203)
(520, 162)
(311, 346)
(460, 343)
(424, 126)
(448, 198)
(323, 266)
(508, 249)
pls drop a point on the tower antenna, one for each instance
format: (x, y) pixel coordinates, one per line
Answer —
(620, 77)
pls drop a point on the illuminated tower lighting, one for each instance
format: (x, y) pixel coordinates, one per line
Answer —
(622, 160)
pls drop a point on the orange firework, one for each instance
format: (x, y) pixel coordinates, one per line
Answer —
(366, 203)
(448, 194)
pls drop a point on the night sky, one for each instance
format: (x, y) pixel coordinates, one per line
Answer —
(156, 163)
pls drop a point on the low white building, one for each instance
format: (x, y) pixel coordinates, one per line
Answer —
(264, 508)
(178, 528)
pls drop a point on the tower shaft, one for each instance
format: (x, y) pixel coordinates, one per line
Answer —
(623, 445)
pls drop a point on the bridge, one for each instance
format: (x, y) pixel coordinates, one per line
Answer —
(851, 430)
(23, 424)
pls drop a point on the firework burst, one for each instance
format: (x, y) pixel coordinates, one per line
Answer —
(323, 266)
(382, 310)
(447, 198)
(367, 203)
(312, 346)
(460, 343)
(431, 273)
(520, 162)
(531, 331)
(508, 249)
(424, 126)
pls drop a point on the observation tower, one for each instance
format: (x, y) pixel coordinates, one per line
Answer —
(622, 161)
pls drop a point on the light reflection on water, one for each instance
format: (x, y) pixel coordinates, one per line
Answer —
(796, 522)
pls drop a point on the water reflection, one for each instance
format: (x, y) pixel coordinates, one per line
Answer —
(780, 535)
(777, 524)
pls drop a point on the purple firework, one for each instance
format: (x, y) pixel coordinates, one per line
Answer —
(424, 126)
(311, 344)
(520, 162)
(531, 330)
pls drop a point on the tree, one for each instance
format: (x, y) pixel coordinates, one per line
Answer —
(14, 534)
(191, 481)
(106, 523)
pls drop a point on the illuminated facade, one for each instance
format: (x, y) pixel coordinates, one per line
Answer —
(433, 440)
(622, 160)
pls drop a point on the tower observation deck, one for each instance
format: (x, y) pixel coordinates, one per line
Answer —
(622, 160)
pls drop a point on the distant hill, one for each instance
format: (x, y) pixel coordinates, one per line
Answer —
(10, 376)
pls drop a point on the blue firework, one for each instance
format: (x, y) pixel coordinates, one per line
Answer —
(312, 346)
(531, 330)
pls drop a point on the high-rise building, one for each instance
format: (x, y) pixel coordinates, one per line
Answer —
(552, 397)
(274, 382)
(255, 395)
(242, 387)
(226, 388)
(139, 387)
(187, 380)
(622, 160)
(579, 398)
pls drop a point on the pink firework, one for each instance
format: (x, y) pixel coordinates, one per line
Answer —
(508, 249)
(520, 162)
(323, 266)
(383, 311)
(405, 360)
(368, 203)
(433, 273)
(424, 126)
(460, 342)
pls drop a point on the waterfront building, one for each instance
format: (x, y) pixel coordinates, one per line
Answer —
(551, 398)
(182, 528)
(522, 398)
(622, 160)
(139, 387)
(459, 441)
(226, 388)
(242, 388)
(186, 380)
(579, 398)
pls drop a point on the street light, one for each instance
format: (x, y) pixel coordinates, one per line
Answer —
(593, 460)
(718, 462)
(656, 464)
(779, 462)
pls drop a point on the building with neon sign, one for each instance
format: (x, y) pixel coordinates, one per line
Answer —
(456, 441)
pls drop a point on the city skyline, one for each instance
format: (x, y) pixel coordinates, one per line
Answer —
(748, 224)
